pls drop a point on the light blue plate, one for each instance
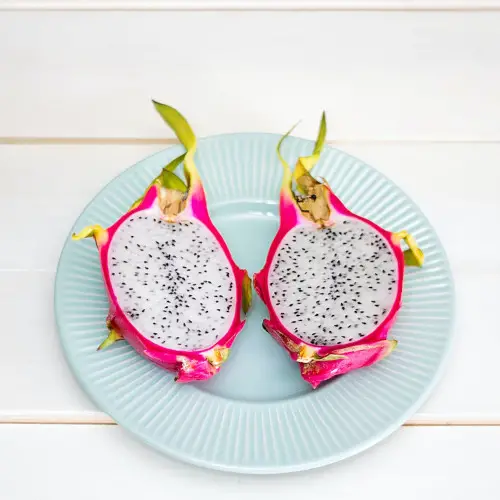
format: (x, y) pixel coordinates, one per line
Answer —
(257, 415)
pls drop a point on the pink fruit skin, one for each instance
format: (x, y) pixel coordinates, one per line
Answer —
(376, 344)
(188, 365)
(318, 372)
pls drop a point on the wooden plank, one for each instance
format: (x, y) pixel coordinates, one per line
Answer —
(380, 75)
(44, 188)
(85, 462)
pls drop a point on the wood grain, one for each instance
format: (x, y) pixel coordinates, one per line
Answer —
(104, 462)
(379, 75)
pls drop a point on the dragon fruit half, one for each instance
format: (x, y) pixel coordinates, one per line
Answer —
(332, 281)
(175, 293)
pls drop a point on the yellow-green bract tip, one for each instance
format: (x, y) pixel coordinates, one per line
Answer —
(413, 256)
(185, 134)
(170, 181)
(306, 163)
(178, 124)
(175, 163)
(287, 172)
(113, 336)
(96, 231)
(246, 293)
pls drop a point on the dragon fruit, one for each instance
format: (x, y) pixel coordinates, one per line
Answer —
(332, 281)
(175, 293)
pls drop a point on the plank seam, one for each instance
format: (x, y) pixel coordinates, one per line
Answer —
(112, 423)
(144, 141)
(249, 5)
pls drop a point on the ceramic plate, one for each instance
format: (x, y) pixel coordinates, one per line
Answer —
(257, 415)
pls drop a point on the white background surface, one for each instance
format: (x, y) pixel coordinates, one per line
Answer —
(415, 93)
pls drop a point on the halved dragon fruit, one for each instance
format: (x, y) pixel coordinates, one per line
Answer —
(332, 281)
(175, 293)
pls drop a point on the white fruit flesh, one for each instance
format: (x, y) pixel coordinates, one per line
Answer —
(335, 285)
(173, 281)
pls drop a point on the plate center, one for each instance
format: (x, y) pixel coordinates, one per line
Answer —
(258, 369)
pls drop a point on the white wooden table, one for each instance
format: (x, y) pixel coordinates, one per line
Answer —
(412, 88)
